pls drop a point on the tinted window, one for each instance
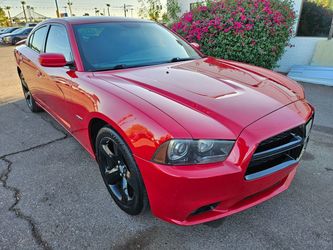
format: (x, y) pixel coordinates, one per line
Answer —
(9, 30)
(18, 31)
(57, 42)
(22, 31)
(30, 40)
(129, 44)
(38, 40)
(27, 31)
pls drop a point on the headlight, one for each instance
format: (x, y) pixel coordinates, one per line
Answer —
(187, 152)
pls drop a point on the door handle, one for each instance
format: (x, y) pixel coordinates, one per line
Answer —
(39, 74)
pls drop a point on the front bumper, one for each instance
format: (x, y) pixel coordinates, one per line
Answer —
(177, 193)
(5, 40)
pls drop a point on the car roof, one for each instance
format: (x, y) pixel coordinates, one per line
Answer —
(10, 30)
(92, 19)
(23, 29)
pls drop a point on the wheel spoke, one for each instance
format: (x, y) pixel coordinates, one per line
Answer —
(115, 149)
(105, 150)
(124, 185)
(111, 158)
(112, 176)
(116, 191)
(131, 182)
(124, 191)
(112, 161)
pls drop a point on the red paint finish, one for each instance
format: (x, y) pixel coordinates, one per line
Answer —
(52, 60)
(197, 186)
(206, 98)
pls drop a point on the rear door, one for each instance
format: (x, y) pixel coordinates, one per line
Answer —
(30, 64)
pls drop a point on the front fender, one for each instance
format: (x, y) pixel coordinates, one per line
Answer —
(143, 127)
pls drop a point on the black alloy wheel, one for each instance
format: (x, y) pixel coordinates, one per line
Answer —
(120, 172)
(32, 105)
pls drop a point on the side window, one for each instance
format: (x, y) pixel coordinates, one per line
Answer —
(30, 40)
(58, 42)
(38, 39)
(27, 31)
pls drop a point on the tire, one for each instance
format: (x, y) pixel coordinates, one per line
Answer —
(32, 105)
(15, 40)
(120, 172)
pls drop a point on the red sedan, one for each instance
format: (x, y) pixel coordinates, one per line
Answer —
(197, 138)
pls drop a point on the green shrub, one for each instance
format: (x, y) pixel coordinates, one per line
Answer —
(315, 20)
(250, 31)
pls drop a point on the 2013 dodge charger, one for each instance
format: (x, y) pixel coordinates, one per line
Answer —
(197, 138)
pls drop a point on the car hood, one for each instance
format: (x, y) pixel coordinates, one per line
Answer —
(4, 35)
(201, 91)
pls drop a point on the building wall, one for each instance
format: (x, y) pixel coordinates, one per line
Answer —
(303, 47)
(301, 54)
(185, 5)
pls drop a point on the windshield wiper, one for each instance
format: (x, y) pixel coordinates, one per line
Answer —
(124, 66)
(119, 66)
(178, 59)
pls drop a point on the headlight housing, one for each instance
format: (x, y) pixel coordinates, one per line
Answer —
(189, 152)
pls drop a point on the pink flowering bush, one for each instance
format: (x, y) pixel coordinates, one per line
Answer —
(250, 31)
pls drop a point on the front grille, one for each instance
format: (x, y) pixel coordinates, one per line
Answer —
(277, 152)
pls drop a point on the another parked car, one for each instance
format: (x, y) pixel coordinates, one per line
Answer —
(30, 24)
(3, 30)
(16, 36)
(8, 30)
(195, 137)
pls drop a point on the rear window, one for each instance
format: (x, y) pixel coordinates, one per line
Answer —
(37, 41)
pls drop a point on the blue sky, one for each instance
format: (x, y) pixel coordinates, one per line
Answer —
(47, 7)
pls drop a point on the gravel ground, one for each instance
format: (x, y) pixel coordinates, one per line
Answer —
(52, 195)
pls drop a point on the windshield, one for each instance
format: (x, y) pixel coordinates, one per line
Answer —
(117, 45)
(17, 31)
(8, 30)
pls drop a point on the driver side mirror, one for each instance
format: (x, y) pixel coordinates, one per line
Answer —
(52, 60)
(195, 45)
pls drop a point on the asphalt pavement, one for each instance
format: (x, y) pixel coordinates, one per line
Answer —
(52, 195)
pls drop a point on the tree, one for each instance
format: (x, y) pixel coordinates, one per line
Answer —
(325, 3)
(3, 18)
(173, 10)
(150, 9)
(9, 17)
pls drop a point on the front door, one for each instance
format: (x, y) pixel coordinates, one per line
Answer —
(56, 80)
